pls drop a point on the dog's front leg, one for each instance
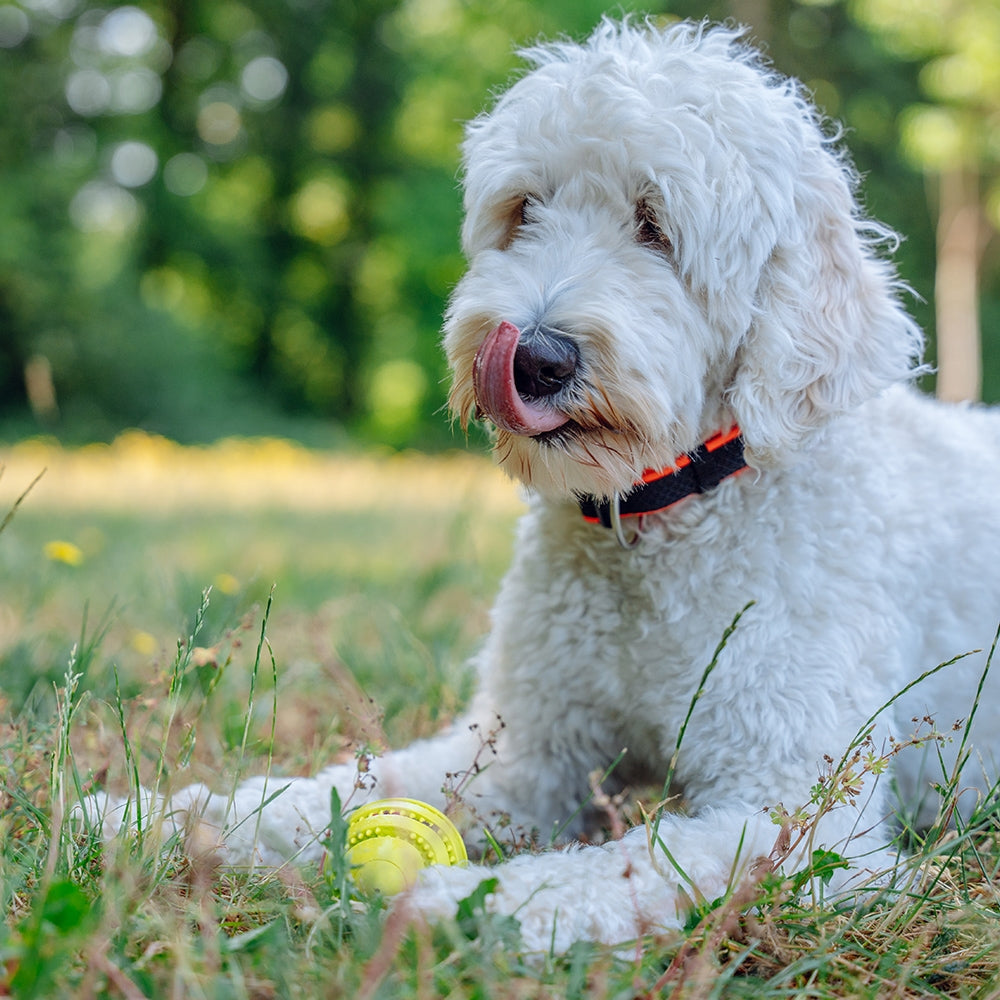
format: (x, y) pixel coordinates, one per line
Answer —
(475, 770)
(269, 819)
(641, 884)
(613, 893)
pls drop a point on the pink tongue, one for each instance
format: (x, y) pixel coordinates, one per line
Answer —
(496, 393)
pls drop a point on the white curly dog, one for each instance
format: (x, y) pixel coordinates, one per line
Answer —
(671, 284)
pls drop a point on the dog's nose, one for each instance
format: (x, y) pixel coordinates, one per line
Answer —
(545, 360)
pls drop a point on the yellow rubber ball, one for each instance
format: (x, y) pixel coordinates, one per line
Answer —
(389, 841)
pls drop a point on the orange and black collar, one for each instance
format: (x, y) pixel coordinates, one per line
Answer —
(698, 471)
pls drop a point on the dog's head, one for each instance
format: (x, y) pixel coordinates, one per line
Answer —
(661, 240)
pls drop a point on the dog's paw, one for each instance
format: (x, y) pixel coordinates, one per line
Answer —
(558, 897)
(265, 821)
(440, 889)
(109, 814)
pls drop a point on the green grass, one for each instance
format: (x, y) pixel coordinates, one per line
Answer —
(114, 668)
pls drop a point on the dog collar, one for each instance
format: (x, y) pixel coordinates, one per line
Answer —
(698, 471)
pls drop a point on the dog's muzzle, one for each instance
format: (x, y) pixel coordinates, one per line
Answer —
(516, 375)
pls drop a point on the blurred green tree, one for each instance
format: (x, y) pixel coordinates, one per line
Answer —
(221, 217)
(954, 136)
(212, 209)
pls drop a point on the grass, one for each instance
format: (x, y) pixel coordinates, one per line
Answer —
(333, 580)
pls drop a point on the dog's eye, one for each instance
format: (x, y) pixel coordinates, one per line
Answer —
(528, 202)
(518, 214)
(648, 231)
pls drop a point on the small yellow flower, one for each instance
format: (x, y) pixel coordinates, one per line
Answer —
(64, 552)
(226, 583)
(144, 643)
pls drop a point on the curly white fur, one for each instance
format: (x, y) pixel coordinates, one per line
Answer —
(674, 207)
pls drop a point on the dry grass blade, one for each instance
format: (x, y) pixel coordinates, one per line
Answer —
(9, 516)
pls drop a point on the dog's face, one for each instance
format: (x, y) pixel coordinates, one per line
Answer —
(660, 241)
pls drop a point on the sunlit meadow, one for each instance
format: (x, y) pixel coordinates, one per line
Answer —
(122, 539)
(175, 614)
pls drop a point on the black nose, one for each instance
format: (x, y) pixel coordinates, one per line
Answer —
(545, 360)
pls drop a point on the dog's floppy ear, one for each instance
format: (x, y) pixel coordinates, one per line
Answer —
(829, 331)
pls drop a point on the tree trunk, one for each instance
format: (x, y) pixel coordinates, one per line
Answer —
(956, 287)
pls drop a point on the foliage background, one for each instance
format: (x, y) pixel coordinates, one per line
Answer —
(220, 217)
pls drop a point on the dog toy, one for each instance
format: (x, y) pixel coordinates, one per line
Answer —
(390, 840)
